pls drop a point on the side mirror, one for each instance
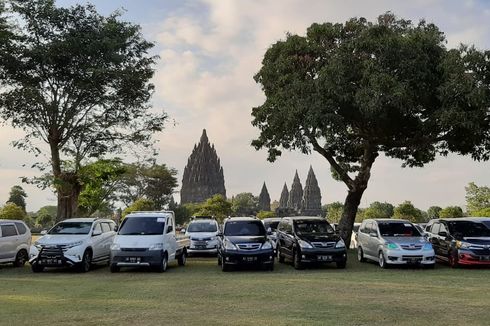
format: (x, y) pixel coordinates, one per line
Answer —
(96, 233)
(116, 228)
(442, 234)
(373, 234)
(44, 232)
(269, 231)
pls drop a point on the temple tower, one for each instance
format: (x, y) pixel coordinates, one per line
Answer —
(264, 199)
(203, 174)
(295, 200)
(312, 198)
(283, 201)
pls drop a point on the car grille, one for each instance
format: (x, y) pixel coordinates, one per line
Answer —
(248, 246)
(133, 249)
(52, 252)
(201, 239)
(54, 249)
(411, 247)
(411, 257)
(323, 244)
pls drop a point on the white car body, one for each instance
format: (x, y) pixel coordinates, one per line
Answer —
(203, 242)
(15, 240)
(59, 250)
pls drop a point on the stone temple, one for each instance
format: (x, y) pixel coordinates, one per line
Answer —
(312, 198)
(264, 199)
(203, 174)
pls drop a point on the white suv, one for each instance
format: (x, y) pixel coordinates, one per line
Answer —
(204, 236)
(76, 242)
(15, 239)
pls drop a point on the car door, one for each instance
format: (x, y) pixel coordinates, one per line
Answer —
(170, 238)
(368, 242)
(289, 240)
(362, 235)
(444, 241)
(97, 237)
(434, 238)
(108, 237)
(280, 236)
(9, 241)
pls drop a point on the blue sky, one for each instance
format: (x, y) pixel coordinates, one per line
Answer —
(210, 51)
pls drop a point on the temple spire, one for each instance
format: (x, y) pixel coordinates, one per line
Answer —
(283, 201)
(295, 200)
(312, 198)
(264, 199)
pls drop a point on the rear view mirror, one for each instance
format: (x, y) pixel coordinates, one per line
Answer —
(44, 232)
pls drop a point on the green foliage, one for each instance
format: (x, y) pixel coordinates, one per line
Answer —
(46, 216)
(333, 211)
(484, 212)
(141, 204)
(11, 211)
(433, 212)
(407, 211)
(244, 204)
(451, 211)
(265, 214)
(477, 199)
(216, 206)
(379, 210)
(18, 196)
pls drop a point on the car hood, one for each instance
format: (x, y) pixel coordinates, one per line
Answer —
(201, 235)
(319, 238)
(60, 239)
(246, 239)
(483, 241)
(405, 240)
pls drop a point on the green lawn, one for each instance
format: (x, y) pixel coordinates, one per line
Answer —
(200, 294)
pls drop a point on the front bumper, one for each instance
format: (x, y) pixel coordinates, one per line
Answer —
(136, 257)
(470, 257)
(248, 257)
(203, 247)
(407, 257)
(54, 257)
(316, 255)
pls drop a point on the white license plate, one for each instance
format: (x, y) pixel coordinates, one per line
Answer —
(249, 259)
(133, 259)
(324, 258)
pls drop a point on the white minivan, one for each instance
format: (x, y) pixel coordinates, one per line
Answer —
(15, 240)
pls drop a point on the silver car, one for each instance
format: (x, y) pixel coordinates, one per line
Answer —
(393, 242)
(15, 240)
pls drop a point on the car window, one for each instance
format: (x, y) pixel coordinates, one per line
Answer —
(435, 228)
(369, 227)
(170, 226)
(106, 227)
(142, 225)
(97, 228)
(273, 225)
(289, 227)
(202, 226)
(312, 227)
(442, 228)
(244, 228)
(398, 229)
(71, 228)
(21, 228)
(8, 230)
(363, 228)
(464, 229)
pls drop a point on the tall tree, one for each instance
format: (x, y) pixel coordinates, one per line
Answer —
(352, 91)
(18, 196)
(433, 212)
(477, 198)
(451, 212)
(216, 206)
(379, 210)
(79, 82)
(245, 204)
(407, 211)
(11, 211)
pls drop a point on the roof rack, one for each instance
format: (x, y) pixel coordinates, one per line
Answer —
(203, 217)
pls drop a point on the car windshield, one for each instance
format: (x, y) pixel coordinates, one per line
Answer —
(467, 229)
(208, 226)
(147, 225)
(244, 228)
(71, 228)
(391, 229)
(272, 225)
(312, 226)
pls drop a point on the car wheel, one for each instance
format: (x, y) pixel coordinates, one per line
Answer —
(280, 258)
(84, 266)
(453, 260)
(224, 266)
(37, 268)
(297, 260)
(162, 267)
(21, 258)
(182, 259)
(219, 260)
(341, 264)
(114, 268)
(360, 255)
(430, 266)
(381, 260)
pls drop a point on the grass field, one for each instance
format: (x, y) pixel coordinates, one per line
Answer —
(200, 294)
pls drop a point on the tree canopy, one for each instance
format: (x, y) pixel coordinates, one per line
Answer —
(379, 210)
(79, 82)
(18, 196)
(451, 212)
(216, 206)
(11, 211)
(352, 91)
(477, 200)
(244, 204)
(407, 211)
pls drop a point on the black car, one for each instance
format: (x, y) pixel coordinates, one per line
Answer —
(460, 241)
(244, 241)
(309, 240)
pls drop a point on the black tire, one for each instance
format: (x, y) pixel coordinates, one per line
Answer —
(114, 268)
(162, 267)
(21, 258)
(430, 266)
(341, 264)
(271, 267)
(224, 266)
(360, 255)
(219, 260)
(182, 258)
(37, 268)
(86, 263)
(297, 260)
(280, 258)
(382, 261)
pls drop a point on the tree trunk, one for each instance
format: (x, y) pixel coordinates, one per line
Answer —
(351, 205)
(68, 189)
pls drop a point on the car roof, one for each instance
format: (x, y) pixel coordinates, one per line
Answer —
(272, 219)
(11, 221)
(203, 220)
(150, 213)
(313, 218)
(387, 220)
(241, 218)
(467, 219)
(80, 219)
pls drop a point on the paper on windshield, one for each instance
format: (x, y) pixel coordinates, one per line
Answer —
(161, 219)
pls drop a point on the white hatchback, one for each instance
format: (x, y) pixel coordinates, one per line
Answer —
(15, 240)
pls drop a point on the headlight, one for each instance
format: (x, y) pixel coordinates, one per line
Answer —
(214, 238)
(38, 246)
(267, 245)
(115, 246)
(462, 245)
(391, 245)
(428, 246)
(156, 246)
(74, 244)
(229, 245)
(304, 244)
(340, 244)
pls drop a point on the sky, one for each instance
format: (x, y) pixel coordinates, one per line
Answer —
(209, 51)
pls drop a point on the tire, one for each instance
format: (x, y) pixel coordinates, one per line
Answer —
(360, 255)
(37, 268)
(225, 267)
(382, 261)
(280, 258)
(182, 258)
(114, 268)
(297, 260)
(219, 260)
(86, 263)
(21, 258)
(162, 267)
(430, 266)
(341, 264)
(453, 260)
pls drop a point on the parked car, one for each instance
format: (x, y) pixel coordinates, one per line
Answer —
(272, 223)
(78, 242)
(203, 233)
(460, 241)
(393, 242)
(244, 241)
(309, 240)
(148, 239)
(15, 240)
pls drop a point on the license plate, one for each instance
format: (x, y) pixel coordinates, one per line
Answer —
(249, 259)
(200, 247)
(414, 260)
(324, 258)
(200, 243)
(133, 259)
(51, 261)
